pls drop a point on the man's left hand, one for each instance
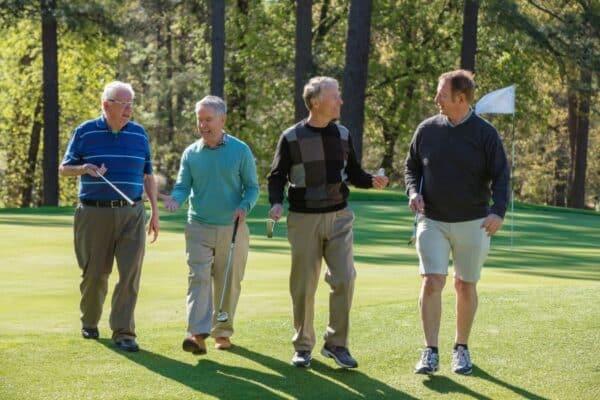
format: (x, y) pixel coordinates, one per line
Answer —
(379, 182)
(491, 224)
(239, 214)
(153, 227)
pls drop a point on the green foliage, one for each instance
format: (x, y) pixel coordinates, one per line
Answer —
(163, 49)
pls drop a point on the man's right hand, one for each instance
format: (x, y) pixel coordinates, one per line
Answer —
(93, 170)
(276, 212)
(416, 203)
(170, 203)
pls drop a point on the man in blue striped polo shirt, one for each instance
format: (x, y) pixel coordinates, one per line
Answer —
(106, 226)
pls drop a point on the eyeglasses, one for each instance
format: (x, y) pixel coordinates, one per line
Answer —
(122, 103)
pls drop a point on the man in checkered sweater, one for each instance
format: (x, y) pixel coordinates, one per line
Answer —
(316, 157)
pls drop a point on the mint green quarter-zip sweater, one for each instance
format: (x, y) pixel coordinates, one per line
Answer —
(217, 181)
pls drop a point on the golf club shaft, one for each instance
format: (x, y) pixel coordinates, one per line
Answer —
(123, 195)
(228, 266)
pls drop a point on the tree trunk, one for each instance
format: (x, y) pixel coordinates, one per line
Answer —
(355, 70)
(50, 88)
(572, 106)
(217, 72)
(469, 36)
(577, 195)
(238, 94)
(303, 62)
(169, 107)
(32, 157)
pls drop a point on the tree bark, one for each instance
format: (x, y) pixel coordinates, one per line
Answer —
(355, 70)
(50, 89)
(217, 72)
(303, 61)
(238, 94)
(577, 194)
(469, 35)
(32, 157)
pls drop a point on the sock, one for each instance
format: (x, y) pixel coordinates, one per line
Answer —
(460, 344)
(434, 349)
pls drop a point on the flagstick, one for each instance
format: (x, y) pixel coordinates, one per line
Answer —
(512, 186)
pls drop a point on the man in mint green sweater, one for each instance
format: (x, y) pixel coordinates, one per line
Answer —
(218, 175)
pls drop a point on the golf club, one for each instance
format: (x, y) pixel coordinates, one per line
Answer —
(123, 195)
(413, 237)
(223, 316)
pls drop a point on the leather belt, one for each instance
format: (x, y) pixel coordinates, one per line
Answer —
(108, 203)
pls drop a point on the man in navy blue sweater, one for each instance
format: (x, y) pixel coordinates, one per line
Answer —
(455, 165)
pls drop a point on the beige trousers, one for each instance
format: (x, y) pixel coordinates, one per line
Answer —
(207, 248)
(101, 236)
(313, 237)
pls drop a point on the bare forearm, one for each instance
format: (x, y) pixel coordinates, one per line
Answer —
(151, 192)
(72, 170)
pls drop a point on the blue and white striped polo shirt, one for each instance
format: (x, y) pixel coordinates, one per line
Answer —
(126, 155)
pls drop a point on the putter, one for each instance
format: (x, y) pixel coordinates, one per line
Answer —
(123, 195)
(413, 237)
(223, 316)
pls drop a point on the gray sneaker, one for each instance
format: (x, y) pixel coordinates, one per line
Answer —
(340, 354)
(461, 361)
(429, 362)
(301, 359)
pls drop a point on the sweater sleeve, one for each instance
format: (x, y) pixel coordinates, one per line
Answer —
(413, 169)
(280, 169)
(249, 180)
(356, 175)
(183, 184)
(498, 171)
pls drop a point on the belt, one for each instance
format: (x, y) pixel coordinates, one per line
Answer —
(108, 203)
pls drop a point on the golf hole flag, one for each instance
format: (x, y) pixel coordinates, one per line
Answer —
(501, 101)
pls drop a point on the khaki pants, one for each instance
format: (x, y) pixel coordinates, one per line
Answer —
(101, 236)
(207, 248)
(313, 237)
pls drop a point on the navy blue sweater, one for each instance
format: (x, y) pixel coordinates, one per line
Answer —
(462, 167)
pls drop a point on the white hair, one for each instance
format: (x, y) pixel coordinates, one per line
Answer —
(314, 87)
(214, 102)
(113, 87)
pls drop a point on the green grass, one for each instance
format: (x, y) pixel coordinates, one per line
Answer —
(536, 334)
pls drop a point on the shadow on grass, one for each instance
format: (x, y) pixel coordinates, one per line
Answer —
(280, 381)
(445, 385)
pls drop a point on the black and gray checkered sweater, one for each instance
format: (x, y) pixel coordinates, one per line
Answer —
(316, 162)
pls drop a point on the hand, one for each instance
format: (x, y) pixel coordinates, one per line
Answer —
(170, 203)
(239, 214)
(491, 224)
(379, 182)
(276, 212)
(94, 170)
(416, 203)
(153, 227)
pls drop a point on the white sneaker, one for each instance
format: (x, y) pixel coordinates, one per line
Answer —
(461, 361)
(429, 362)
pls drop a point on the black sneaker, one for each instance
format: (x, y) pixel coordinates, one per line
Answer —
(90, 333)
(128, 345)
(302, 359)
(340, 354)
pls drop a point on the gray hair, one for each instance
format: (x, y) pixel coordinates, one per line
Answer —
(214, 102)
(113, 87)
(314, 87)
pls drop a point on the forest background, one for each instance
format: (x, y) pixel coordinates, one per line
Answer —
(56, 57)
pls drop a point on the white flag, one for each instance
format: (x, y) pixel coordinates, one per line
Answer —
(501, 101)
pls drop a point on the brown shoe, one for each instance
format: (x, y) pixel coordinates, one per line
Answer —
(222, 343)
(194, 345)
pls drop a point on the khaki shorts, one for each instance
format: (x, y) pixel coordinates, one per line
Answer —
(468, 242)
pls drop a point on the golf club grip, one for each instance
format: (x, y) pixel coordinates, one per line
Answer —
(235, 228)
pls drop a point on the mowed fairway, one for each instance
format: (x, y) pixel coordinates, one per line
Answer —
(536, 334)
